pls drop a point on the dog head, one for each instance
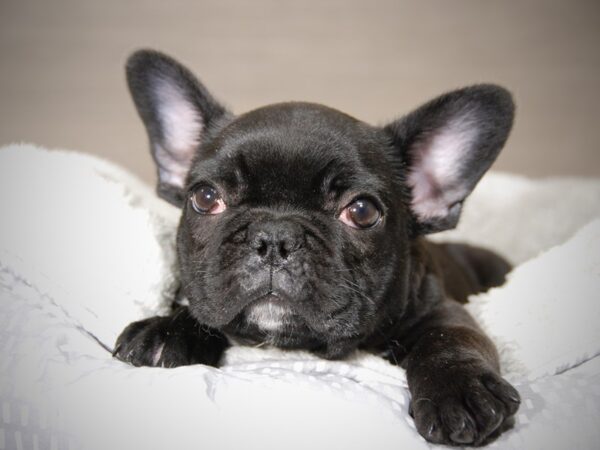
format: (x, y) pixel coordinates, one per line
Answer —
(297, 219)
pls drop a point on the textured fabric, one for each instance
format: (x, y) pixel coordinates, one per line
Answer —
(85, 249)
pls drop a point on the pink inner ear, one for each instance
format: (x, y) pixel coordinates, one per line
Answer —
(181, 125)
(436, 172)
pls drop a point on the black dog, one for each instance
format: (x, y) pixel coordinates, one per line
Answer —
(302, 228)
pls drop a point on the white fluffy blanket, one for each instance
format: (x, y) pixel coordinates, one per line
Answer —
(85, 248)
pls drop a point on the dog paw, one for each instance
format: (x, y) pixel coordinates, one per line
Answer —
(171, 341)
(465, 408)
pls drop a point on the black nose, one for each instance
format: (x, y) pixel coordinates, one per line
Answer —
(275, 240)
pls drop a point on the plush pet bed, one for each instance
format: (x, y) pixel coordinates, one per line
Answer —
(85, 248)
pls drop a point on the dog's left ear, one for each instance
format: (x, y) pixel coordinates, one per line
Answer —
(178, 112)
(447, 145)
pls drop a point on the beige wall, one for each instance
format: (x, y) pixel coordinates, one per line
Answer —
(62, 84)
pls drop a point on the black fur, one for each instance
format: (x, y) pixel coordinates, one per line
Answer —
(287, 173)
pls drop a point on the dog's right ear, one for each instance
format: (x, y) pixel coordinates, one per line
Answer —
(177, 111)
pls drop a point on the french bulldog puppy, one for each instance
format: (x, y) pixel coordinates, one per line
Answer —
(303, 228)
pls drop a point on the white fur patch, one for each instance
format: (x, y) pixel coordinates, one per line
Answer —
(268, 316)
(437, 168)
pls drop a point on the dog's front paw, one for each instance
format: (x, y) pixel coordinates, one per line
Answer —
(464, 407)
(170, 341)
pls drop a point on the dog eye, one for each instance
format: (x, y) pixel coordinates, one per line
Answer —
(206, 200)
(361, 213)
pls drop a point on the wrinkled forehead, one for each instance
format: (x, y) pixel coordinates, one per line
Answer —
(295, 148)
(298, 131)
(290, 150)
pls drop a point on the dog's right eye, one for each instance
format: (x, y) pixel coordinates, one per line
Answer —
(206, 200)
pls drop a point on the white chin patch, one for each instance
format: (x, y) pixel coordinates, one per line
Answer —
(268, 316)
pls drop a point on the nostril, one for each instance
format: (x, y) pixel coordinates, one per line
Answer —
(283, 251)
(262, 248)
(288, 246)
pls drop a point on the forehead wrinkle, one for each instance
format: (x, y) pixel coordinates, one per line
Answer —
(269, 157)
(278, 150)
(275, 175)
(351, 176)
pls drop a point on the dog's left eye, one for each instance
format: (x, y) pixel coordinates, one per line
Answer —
(361, 213)
(207, 200)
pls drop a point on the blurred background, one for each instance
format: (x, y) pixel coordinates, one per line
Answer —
(62, 81)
